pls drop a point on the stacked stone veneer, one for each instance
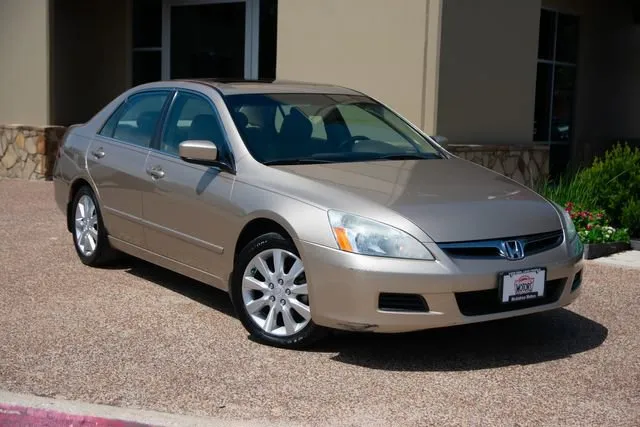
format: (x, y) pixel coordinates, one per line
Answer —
(527, 164)
(28, 152)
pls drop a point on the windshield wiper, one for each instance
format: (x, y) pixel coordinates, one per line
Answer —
(409, 156)
(301, 161)
(342, 159)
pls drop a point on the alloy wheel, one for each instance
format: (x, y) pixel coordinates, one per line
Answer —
(275, 294)
(86, 226)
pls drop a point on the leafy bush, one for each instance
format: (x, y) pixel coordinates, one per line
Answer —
(631, 217)
(593, 226)
(611, 182)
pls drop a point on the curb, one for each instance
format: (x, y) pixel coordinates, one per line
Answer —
(24, 409)
(599, 250)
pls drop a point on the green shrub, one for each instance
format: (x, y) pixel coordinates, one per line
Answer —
(611, 182)
(630, 218)
(568, 189)
(611, 185)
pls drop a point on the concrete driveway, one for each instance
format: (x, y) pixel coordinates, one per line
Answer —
(142, 337)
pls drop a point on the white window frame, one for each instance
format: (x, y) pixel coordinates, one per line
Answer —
(251, 35)
(553, 64)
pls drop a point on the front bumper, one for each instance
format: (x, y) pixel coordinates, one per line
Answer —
(344, 288)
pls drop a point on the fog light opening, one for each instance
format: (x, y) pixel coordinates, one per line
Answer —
(577, 281)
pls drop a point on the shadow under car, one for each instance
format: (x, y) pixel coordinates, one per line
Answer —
(525, 340)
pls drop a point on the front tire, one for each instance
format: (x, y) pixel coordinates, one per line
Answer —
(269, 292)
(89, 235)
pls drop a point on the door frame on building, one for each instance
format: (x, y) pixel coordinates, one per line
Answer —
(251, 33)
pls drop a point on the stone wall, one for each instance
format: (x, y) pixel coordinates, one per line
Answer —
(527, 164)
(28, 152)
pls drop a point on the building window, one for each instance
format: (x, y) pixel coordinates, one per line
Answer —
(147, 41)
(556, 77)
(268, 39)
(204, 38)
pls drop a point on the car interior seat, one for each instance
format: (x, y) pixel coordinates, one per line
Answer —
(146, 127)
(205, 127)
(295, 135)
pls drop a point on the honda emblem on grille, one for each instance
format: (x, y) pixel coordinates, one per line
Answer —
(512, 249)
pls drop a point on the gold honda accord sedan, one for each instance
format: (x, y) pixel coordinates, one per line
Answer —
(316, 207)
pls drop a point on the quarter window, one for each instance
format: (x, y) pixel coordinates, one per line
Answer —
(136, 120)
(191, 118)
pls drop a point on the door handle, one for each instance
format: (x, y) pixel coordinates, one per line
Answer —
(156, 172)
(99, 153)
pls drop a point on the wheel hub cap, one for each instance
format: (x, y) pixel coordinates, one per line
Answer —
(274, 292)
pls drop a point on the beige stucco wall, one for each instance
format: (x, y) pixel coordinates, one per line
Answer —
(91, 51)
(24, 55)
(375, 46)
(487, 78)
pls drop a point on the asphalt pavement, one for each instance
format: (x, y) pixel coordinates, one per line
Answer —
(138, 336)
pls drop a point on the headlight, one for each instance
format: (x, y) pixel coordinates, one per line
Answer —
(359, 235)
(569, 227)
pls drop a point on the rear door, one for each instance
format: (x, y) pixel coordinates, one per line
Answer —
(189, 207)
(116, 160)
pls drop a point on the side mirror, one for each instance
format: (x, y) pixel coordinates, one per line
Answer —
(202, 152)
(442, 141)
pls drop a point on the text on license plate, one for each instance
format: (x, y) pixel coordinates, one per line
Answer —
(523, 285)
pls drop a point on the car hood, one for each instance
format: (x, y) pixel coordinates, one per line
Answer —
(451, 200)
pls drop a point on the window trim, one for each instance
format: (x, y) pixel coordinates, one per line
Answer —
(147, 49)
(119, 111)
(227, 164)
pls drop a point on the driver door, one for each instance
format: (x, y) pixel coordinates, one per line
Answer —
(189, 206)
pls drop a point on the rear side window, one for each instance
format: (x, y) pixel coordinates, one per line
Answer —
(135, 121)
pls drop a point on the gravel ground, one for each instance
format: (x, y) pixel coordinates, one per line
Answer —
(140, 336)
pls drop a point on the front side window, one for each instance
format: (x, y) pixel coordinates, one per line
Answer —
(191, 118)
(136, 120)
(293, 128)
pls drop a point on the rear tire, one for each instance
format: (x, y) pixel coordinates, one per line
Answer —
(87, 230)
(269, 294)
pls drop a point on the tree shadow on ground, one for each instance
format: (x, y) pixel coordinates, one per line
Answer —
(526, 340)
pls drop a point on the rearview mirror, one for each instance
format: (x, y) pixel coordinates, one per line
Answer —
(441, 140)
(202, 152)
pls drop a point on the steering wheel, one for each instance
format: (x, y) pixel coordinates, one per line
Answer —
(352, 140)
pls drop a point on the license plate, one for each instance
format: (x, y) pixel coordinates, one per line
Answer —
(523, 285)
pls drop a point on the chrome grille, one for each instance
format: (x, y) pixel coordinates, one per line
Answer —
(495, 249)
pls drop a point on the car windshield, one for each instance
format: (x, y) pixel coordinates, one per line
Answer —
(323, 128)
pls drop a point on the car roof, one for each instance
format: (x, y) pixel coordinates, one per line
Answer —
(235, 86)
